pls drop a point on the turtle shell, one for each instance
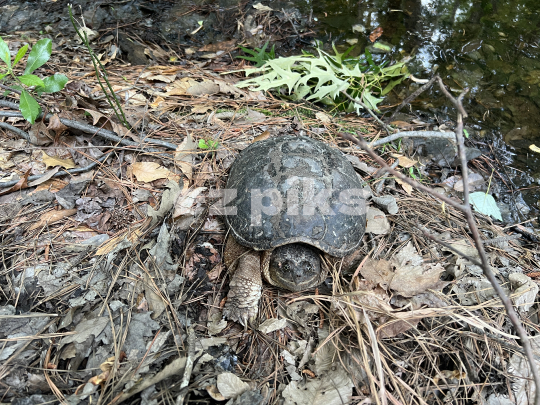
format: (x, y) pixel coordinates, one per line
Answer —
(295, 190)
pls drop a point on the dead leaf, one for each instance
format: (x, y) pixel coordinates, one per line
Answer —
(402, 124)
(204, 88)
(262, 137)
(406, 186)
(219, 46)
(51, 217)
(45, 177)
(53, 185)
(56, 125)
(161, 78)
(379, 272)
(96, 115)
(51, 161)
(375, 34)
(201, 109)
(412, 276)
(324, 118)
(376, 222)
(150, 171)
(90, 34)
(21, 184)
(184, 155)
(39, 134)
(184, 203)
(262, 7)
(404, 161)
(230, 386)
(180, 87)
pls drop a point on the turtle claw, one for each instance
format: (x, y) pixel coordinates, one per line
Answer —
(235, 312)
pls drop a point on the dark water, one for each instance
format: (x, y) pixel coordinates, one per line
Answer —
(490, 46)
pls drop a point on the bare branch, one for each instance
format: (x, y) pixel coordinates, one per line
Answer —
(413, 96)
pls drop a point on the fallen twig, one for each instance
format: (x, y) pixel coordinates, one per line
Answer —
(59, 174)
(89, 129)
(15, 130)
(413, 134)
(415, 94)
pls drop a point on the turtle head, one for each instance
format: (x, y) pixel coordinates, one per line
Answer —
(295, 267)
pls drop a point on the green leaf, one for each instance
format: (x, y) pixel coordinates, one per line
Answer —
(371, 101)
(40, 53)
(20, 54)
(52, 84)
(4, 53)
(29, 107)
(2, 75)
(485, 204)
(31, 80)
(202, 144)
(260, 56)
(466, 133)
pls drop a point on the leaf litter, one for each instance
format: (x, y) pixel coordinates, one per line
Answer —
(107, 273)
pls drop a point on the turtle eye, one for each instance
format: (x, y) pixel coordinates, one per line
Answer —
(287, 267)
(308, 268)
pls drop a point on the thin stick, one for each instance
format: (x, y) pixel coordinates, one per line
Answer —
(413, 96)
(413, 134)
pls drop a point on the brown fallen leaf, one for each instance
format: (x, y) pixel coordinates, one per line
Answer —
(56, 125)
(45, 177)
(379, 272)
(21, 184)
(375, 34)
(219, 46)
(96, 115)
(412, 276)
(51, 217)
(39, 134)
(51, 161)
(404, 161)
(150, 171)
(406, 186)
(262, 137)
(53, 185)
(184, 155)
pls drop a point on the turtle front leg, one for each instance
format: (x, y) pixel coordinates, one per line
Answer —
(245, 289)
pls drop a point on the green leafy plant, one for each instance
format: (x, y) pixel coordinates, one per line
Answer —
(259, 55)
(28, 83)
(322, 78)
(418, 177)
(208, 144)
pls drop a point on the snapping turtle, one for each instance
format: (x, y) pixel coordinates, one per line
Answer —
(296, 204)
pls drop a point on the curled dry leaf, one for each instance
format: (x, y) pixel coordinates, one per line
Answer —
(56, 125)
(21, 184)
(184, 155)
(51, 217)
(406, 186)
(375, 34)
